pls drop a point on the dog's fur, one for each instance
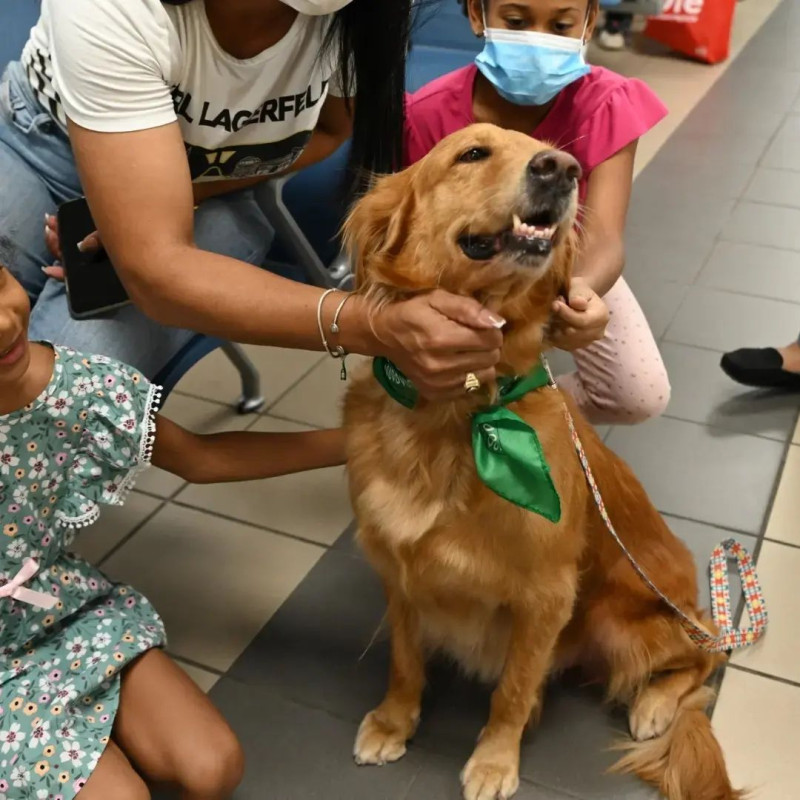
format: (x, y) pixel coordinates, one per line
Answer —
(509, 595)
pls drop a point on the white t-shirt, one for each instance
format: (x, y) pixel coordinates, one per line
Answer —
(127, 65)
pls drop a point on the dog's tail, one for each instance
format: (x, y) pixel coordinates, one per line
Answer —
(686, 762)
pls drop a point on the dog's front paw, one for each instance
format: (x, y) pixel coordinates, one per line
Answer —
(495, 778)
(652, 713)
(378, 742)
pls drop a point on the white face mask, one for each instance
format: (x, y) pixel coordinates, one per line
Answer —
(317, 8)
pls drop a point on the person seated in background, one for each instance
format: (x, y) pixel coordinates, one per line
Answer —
(532, 77)
(765, 367)
(616, 31)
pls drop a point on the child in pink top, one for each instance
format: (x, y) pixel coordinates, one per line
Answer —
(598, 117)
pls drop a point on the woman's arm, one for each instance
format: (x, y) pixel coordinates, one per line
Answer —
(603, 252)
(333, 129)
(139, 189)
(243, 455)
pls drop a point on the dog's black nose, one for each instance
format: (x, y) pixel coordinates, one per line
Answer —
(552, 166)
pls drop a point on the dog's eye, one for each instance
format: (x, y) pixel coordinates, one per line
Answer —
(475, 154)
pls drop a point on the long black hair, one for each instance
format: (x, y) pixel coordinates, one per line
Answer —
(371, 39)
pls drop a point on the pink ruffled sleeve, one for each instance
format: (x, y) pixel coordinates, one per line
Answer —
(627, 112)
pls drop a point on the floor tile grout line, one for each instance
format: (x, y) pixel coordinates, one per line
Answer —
(197, 664)
(136, 528)
(537, 785)
(767, 675)
(269, 406)
(765, 245)
(148, 493)
(721, 528)
(773, 495)
(664, 340)
(719, 428)
(737, 431)
(768, 204)
(254, 526)
(210, 400)
(792, 545)
(774, 137)
(726, 290)
(284, 418)
(743, 294)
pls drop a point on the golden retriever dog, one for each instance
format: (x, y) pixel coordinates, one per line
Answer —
(511, 596)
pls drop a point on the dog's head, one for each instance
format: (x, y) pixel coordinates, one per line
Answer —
(487, 213)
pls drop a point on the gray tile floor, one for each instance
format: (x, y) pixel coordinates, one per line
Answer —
(714, 256)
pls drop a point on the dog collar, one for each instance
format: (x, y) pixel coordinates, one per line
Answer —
(508, 455)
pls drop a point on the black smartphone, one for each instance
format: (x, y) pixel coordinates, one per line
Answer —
(93, 286)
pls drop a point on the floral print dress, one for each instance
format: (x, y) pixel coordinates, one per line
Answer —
(66, 631)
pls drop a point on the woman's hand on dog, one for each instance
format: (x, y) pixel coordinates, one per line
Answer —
(437, 338)
(579, 319)
(53, 241)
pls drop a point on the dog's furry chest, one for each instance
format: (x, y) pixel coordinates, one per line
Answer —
(462, 555)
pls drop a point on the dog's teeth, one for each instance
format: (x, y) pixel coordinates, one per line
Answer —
(517, 225)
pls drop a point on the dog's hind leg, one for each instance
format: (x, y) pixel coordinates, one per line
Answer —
(384, 732)
(655, 706)
(675, 748)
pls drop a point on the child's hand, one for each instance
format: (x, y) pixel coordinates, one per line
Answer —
(53, 242)
(580, 320)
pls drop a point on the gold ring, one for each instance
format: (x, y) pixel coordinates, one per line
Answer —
(471, 383)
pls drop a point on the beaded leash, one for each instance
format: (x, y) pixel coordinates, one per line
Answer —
(729, 638)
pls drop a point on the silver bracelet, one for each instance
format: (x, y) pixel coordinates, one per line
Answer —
(335, 323)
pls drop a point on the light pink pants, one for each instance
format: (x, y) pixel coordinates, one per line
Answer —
(620, 379)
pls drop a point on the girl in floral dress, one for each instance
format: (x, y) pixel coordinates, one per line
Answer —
(89, 702)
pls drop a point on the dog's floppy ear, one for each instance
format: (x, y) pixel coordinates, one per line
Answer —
(377, 228)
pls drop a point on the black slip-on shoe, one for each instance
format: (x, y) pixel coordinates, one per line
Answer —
(759, 367)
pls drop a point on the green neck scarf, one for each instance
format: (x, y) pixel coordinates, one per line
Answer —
(508, 454)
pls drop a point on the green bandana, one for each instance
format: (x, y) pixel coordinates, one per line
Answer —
(508, 455)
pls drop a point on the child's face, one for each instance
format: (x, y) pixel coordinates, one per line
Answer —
(560, 17)
(14, 314)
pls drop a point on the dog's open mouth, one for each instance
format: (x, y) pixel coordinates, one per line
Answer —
(532, 237)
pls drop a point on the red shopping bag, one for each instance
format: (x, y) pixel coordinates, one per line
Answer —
(700, 29)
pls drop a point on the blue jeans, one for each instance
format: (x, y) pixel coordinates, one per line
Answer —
(37, 174)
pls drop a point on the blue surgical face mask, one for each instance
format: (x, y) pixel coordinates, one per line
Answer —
(529, 68)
